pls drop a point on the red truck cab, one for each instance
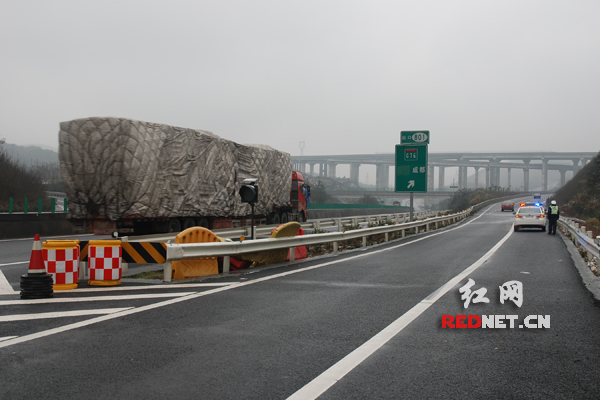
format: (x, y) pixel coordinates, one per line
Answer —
(299, 197)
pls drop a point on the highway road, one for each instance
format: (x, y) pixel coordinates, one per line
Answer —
(365, 324)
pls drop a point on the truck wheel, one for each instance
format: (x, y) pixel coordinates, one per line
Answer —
(174, 226)
(202, 222)
(188, 223)
(274, 219)
(284, 218)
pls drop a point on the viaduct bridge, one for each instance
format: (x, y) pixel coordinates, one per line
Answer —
(491, 162)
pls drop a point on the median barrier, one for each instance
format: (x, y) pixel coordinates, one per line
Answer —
(176, 252)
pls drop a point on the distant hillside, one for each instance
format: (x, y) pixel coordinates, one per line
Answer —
(30, 155)
(580, 197)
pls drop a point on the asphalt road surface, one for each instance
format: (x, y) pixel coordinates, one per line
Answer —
(365, 324)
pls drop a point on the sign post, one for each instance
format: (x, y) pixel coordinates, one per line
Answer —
(411, 164)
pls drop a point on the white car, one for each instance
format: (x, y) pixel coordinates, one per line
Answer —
(530, 217)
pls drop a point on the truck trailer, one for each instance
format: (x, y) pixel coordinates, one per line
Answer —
(135, 177)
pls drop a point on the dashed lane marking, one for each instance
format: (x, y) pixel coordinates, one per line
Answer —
(14, 263)
(7, 337)
(60, 314)
(97, 298)
(171, 286)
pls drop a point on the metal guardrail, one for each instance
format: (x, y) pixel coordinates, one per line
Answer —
(177, 252)
(579, 234)
(309, 225)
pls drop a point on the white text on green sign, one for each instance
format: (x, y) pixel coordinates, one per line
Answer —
(416, 137)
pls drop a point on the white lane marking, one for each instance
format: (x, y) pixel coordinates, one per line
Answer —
(323, 382)
(5, 287)
(61, 314)
(157, 286)
(103, 318)
(7, 337)
(14, 263)
(97, 298)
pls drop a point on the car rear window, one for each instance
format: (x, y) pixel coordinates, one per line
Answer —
(530, 210)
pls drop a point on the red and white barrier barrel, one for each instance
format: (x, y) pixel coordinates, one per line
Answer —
(61, 259)
(104, 262)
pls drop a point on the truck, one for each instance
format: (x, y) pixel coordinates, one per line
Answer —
(134, 177)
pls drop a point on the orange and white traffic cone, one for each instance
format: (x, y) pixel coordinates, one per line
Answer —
(37, 284)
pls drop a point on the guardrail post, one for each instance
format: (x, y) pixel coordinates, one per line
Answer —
(39, 205)
(226, 263)
(589, 234)
(26, 206)
(426, 227)
(317, 225)
(10, 205)
(167, 271)
(387, 237)
(436, 224)
(364, 241)
(338, 222)
(52, 205)
(292, 254)
(65, 209)
(402, 233)
(335, 247)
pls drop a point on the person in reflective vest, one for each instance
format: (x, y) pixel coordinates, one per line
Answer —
(553, 216)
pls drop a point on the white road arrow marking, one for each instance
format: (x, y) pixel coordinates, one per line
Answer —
(5, 287)
(410, 184)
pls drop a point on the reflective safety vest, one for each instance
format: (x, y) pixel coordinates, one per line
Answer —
(553, 209)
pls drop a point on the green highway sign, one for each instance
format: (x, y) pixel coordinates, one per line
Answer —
(414, 137)
(411, 168)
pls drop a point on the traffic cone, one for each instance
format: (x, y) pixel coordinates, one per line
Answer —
(36, 261)
(37, 284)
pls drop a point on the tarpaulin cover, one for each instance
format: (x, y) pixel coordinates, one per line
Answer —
(116, 167)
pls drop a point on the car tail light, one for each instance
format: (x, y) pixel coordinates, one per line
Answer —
(518, 216)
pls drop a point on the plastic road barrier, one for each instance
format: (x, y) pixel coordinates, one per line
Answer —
(104, 260)
(61, 258)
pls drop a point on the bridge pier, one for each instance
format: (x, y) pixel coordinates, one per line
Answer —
(441, 173)
(563, 174)
(382, 176)
(323, 169)
(354, 172)
(508, 171)
(331, 170)
(526, 175)
(430, 177)
(487, 177)
(544, 174)
(575, 166)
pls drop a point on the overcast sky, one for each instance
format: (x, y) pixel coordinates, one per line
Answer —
(343, 77)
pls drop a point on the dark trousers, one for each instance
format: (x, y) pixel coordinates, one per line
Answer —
(552, 226)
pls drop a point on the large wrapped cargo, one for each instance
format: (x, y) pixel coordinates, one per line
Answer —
(118, 168)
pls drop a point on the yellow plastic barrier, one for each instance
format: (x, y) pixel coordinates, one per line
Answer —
(195, 267)
(289, 229)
